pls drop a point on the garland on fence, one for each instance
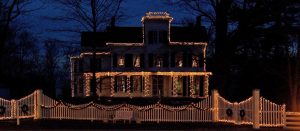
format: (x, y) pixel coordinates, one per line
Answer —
(131, 107)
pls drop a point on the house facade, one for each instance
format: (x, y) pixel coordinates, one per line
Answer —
(155, 60)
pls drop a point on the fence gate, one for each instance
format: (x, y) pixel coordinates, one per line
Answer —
(18, 109)
(237, 113)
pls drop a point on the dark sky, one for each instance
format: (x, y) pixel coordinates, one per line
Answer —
(135, 9)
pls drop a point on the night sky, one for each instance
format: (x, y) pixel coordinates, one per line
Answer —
(135, 9)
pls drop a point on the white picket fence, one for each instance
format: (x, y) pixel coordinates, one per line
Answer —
(256, 110)
(195, 112)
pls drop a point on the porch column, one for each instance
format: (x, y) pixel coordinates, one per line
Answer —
(206, 84)
(256, 103)
(174, 82)
(128, 86)
(192, 87)
(147, 86)
(215, 104)
(112, 85)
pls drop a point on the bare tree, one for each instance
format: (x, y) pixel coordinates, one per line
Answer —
(90, 15)
(9, 11)
(51, 60)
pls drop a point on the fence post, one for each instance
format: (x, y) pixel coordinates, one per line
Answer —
(13, 108)
(215, 101)
(37, 104)
(256, 110)
(283, 115)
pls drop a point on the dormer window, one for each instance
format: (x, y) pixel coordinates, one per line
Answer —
(137, 61)
(158, 61)
(179, 60)
(121, 61)
(195, 61)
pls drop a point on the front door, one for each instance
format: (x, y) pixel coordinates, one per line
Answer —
(157, 85)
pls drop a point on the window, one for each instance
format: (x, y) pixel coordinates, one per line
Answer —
(158, 61)
(121, 83)
(121, 61)
(136, 83)
(157, 85)
(196, 85)
(195, 61)
(163, 38)
(137, 61)
(155, 37)
(178, 85)
(179, 60)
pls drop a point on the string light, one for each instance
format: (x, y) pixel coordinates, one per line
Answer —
(125, 44)
(128, 86)
(112, 84)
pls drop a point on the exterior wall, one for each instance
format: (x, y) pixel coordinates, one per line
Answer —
(107, 64)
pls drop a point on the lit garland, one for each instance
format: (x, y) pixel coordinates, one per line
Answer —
(147, 86)
(98, 74)
(206, 84)
(188, 43)
(157, 16)
(91, 53)
(87, 85)
(192, 87)
(175, 79)
(128, 86)
(112, 84)
(125, 44)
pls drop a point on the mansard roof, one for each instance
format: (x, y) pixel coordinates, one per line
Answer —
(135, 35)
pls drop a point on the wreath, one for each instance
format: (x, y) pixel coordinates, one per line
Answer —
(2, 110)
(242, 113)
(229, 112)
(25, 108)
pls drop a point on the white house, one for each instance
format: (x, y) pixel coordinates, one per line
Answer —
(156, 59)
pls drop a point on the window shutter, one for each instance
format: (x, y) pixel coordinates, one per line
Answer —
(128, 60)
(201, 60)
(173, 60)
(80, 65)
(150, 58)
(150, 37)
(189, 60)
(131, 84)
(98, 64)
(115, 60)
(184, 80)
(201, 88)
(116, 83)
(184, 60)
(141, 82)
(166, 60)
(91, 64)
(142, 60)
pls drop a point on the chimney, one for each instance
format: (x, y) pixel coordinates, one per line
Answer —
(198, 21)
(113, 22)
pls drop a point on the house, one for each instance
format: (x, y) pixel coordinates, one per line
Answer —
(155, 60)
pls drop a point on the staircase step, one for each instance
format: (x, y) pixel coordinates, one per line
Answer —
(293, 118)
(293, 123)
(293, 128)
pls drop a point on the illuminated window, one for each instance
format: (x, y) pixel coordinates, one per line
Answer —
(157, 85)
(121, 61)
(137, 61)
(121, 83)
(179, 60)
(195, 61)
(158, 61)
(136, 83)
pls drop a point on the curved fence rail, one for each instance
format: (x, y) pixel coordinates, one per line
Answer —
(255, 110)
(195, 112)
